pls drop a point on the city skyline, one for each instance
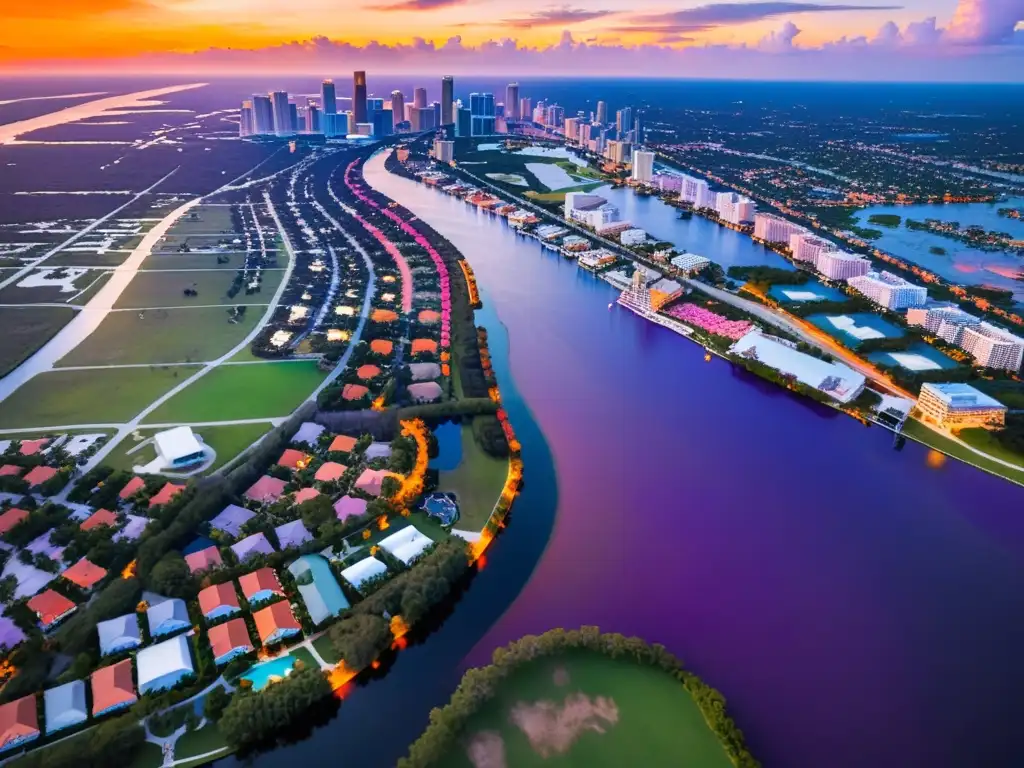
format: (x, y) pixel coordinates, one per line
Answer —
(947, 40)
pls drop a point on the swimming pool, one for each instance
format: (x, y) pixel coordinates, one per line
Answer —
(856, 327)
(809, 291)
(261, 675)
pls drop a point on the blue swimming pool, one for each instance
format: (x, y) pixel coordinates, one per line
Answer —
(261, 675)
(856, 327)
(918, 357)
(812, 290)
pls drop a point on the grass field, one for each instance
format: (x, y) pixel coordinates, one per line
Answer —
(45, 294)
(918, 431)
(109, 259)
(173, 260)
(148, 756)
(477, 483)
(206, 739)
(646, 718)
(559, 196)
(983, 440)
(163, 336)
(26, 329)
(303, 655)
(87, 295)
(255, 391)
(166, 289)
(326, 650)
(1009, 393)
(111, 395)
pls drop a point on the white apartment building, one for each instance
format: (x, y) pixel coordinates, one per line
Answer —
(775, 229)
(633, 237)
(993, 347)
(734, 208)
(619, 151)
(643, 166)
(444, 151)
(947, 321)
(806, 247)
(690, 263)
(889, 290)
(592, 210)
(958, 406)
(840, 265)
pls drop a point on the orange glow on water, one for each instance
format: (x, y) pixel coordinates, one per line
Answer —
(935, 459)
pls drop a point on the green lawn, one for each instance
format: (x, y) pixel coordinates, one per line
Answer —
(228, 441)
(113, 258)
(303, 655)
(26, 329)
(87, 295)
(166, 289)
(326, 650)
(163, 336)
(165, 723)
(477, 482)
(921, 433)
(148, 755)
(170, 260)
(559, 195)
(199, 742)
(646, 718)
(983, 440)
(255, 391)
(98, 396)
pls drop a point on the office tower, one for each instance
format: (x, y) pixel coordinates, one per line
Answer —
(572, 129)
(638, 130)
(313, 120)
(643, 166)
(282, 115)
(427, 119)
(359, 96)
(397, 107)
(373, 105)
(525, 108)
(436, 106)
(619, 151)
(624, 121)
(512, 104)
(447, 100)
(328, 98)
(246, 123)
(334, 125)
(602, 113)
(383, 123)
(481, 107)
(293, 116)
(419, 98)
(464, 122)
(444, 151)
(263, 114)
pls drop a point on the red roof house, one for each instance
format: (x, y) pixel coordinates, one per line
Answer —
(305, 494)
(32, 447)
(330, 470)
(423, 345)
(11, 470)
(266, 490)
(84, 574)
(50, 607)
(229, 639)
(99, 517)
(382, 346)
(39, 475)
(19, 722)
(166, 494)
(343, 443)
(276, 622)
(11, 518)
(261, 584)
(204, 559)
(293, 459)
(112, 688)
(134, 485)
(219, 600)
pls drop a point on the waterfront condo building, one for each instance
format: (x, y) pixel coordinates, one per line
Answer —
(572, 129)
(947, 321)
(619, 152)
(889, 290)
(643, 166)
(959, 406)
(262, 114)
(592, 210)
(775, 229)
(444, 151)
(733, 207)
(246, 120)
(840, 265)
(807, 248)
(993, 347)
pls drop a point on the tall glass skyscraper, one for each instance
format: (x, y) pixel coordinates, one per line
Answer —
(419, 98)
(397, 107)
(601, 118)
(282, 114)
(447, 100)
(262, 114)
(359, 97)
(481, 108)
(328, 98)
(512, 102)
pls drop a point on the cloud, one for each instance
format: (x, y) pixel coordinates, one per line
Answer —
(556, 16)
(985, 22)
(673, 39)
(781, 40)
(922, 32)
(418, 5)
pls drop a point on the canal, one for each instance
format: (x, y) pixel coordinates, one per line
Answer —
(856, 605)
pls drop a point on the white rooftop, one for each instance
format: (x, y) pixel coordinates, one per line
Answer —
(166, 659)
(407, 544)
(363, 571)
(308, 432)
(956, 395)
(176, 443)
(65, 705)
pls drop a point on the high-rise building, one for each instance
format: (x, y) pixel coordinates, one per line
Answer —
(463, 122)
(262, 114)
(426, 120)
(419, 98)
(775, 229)
(436, 106)
(293, 116)
(481, 107)
(695, 191)
(889, 290)
(359, 96)
(328, 98)
(572, 129)
(806, 248)
(282, 115)
(336, 124)
(619, 152)
(733, 207)
(313, 124)
(601, 118)
(512, 103)
(447, 100)
(246, 120)
(958, 406)
(643, 166)
(397, 107)
(383, 123)
(840, 265)
(412, 117)
(444, 151)
(993, 347)
(947, 321)
(525, 108)
(624, 121)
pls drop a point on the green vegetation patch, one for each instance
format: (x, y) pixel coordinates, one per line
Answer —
(171, 260)
(325, 648)
(885, 219)
(258, 390)
(149, 755)
(26, 329)
(923, 434)
(175, 289)
(97, 396)
(51, 292)
(985, 440)
(164, 336)
(113, 258)
(559, 196)
(625, 714)
(477, 482)
(199, 742)
(303, 655)
(227, 440)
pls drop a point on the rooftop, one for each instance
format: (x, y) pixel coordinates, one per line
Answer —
(11, 518)
(18, 719)
(293, 534)
(261, 580)
(132, 487)
(167, 659)
(293, 459)
(112, 686)
(957, 395)
(119, 633)
(257, 544)
(330, 470)
(309, 432)
(65, 705)
(99, 517)
(50, 606)
(342, 443)
(39, 475)
(275, 617)
(177, 443)
(231, 519)
(218, 596)
(266, 490)
(226, 637)
(204, 559)
(84, 574)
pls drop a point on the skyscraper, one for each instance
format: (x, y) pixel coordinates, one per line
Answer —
(481, 107)
(293, 116)
(512, 102)
(602, 113)
(246, 120)
(447, 100)
(263, 114)
(438, 113)
(383, 123)
(419, 98)
(282, 115)
(427, 119)
(464, 126)
(624, 121)
(359, 96)
(313, 120)
(328, 98)
(373, 106)
(526, 108)
(397, 107)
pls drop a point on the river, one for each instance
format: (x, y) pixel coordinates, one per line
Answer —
(857, 606)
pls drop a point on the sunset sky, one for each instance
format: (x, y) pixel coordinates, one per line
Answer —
(99, 34)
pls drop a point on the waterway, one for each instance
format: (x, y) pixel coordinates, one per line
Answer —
(961, 263)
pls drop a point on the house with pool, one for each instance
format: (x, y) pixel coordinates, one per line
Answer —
(218, 601)
(229, 640)
(112, 688)
(164, 665)
(119, 634)
(318, 587)
(276, 622)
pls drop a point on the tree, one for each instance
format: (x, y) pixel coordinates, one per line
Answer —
(359, 640)
(316, 512)
(171, 576)
(216, 702)
(389, 486)
(8, 585)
